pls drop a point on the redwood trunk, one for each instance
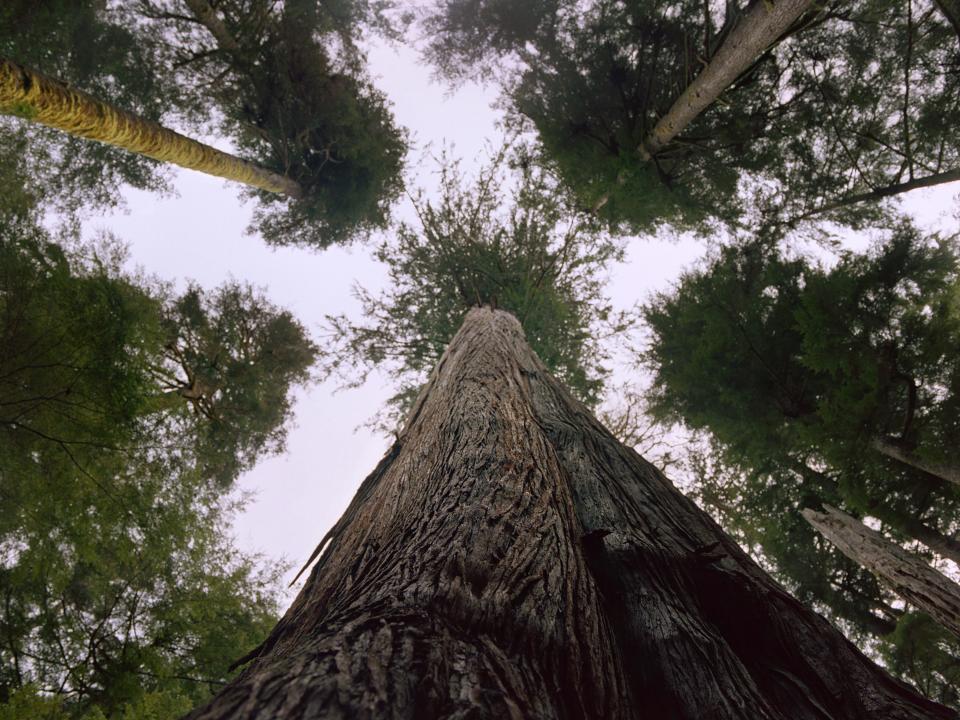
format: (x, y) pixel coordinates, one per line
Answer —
(508, 558)
(908, 575)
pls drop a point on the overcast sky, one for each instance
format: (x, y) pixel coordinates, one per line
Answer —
(199, 235)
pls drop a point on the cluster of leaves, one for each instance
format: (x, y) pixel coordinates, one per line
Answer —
(125, 413)
(485, 243)
(795, 370)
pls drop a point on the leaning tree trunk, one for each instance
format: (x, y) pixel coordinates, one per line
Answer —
(508, 558)
(949, 472)
(908, 575)
(33, 96)
(764, 22)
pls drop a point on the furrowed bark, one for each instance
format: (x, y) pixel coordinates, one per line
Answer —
(764, 22)
(35, 97)
(908, 575)
(510, 559)
(945, 471)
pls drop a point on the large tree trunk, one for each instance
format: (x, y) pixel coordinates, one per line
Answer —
(945, 471)
(33, 96)
(908, 575)
(764, 22)
(508, 558)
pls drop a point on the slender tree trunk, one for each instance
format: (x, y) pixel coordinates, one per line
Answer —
(508, 558)
(208, 17)
(30, 95)
(942, 178)
(908, 575)
(945, 471)
(764, 22)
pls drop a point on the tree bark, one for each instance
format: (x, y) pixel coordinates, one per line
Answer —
(33, 96)
(208, 17)
(945, 471)
(905, 573)
(764, 22)
(509, 558)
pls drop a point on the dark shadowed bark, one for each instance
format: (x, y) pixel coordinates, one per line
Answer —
(508, 558)
(908, 575)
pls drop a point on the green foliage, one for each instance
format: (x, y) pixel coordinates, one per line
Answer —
(506, 241)
(593, 79)
(873, 91)
(856, 97)
(331, 132)
(125, 413)
(793, 368)
(294, 97)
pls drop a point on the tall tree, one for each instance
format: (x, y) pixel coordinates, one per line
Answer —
(510, 558)
(119, 586)
(291, 85)
(96, 49)
(795, 369)
(796, 132)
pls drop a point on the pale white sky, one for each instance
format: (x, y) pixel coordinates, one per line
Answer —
(200, 236)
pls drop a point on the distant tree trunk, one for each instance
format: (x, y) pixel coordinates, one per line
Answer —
(763, 23)
(33, 96)
(908, 575)
(945, 471)
(208, 17)
(508, 558)
(880, 193)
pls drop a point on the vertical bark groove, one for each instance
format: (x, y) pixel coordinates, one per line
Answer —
(510, 559)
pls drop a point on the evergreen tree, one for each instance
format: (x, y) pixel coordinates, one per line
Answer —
(122, 594)
(795, 369)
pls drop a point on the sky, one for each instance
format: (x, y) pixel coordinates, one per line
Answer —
(200, 235)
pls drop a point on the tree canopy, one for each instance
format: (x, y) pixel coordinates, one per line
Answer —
(794, 368)
(506, 240)
(126, 411)
(850, 107)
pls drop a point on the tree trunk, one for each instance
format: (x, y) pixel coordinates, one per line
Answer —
(945, 471)
(905, 573)
(942, 178)
(30, 95)
(508, 558)
(208, 17)
(764, 22)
